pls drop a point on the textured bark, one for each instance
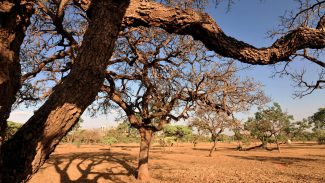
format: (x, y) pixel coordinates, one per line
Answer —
(26, 152)
(14, 20)
(202, 27)
(143, 169)
(213, 147)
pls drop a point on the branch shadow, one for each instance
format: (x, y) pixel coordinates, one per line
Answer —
(85, 164)
(277, 160)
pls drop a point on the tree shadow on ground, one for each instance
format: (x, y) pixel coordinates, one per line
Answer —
(317, 155)
(216, 149)
(85, 165)
(201, 149)
(125, 146)
(303, 177)
(277, 160)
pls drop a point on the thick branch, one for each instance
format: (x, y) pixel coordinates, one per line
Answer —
(202, 27)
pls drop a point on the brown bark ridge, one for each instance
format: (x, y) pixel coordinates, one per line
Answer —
(143, 169)
(202, 27)
(214, 140)
(26, 152)
(213, 147)
(14, 20)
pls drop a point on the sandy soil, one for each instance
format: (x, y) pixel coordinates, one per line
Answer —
(98, 163)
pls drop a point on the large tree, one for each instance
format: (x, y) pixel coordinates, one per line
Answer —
(156, 78)
(234, 95)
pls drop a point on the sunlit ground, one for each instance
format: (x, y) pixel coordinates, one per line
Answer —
(298, 162)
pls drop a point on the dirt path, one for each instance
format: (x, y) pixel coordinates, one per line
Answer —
(95, 163)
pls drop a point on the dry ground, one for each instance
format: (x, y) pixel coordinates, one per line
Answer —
(98, 163)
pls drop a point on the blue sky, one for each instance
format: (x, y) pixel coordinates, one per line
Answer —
(249, 21)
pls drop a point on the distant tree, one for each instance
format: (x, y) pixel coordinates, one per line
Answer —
(318, 120)
(123, 133)
(233, 95)
(75, 131)
(297, 130)
(269, 123)
(126, 129)
(242, 136)
(214, 123)
(179, 132)
(13, 127)
(109, 140)
(90, 136)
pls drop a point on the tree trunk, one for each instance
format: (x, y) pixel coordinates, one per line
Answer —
(214, 139)
(240, 147)
(27, 150)
(264, 143)
(194, 144)
(143, 169)
(277, 144)
(14, 20)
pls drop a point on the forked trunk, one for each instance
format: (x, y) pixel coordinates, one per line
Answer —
(213, 147)
(27, 150)
(143, 169)
(13, 24)
(264, 143)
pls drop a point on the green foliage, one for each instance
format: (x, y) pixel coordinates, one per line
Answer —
(321, 139)
(108, 140)
(180, 132)
(76, 143)
(320, 136)
(318, 120)
(73, 133)
(13, 127)
(242, 137)
(77, 126)
(297, 130)
(167, 141)
(123, 133)
(269, 123)
(237, 135)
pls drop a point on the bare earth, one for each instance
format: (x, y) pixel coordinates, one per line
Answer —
(98, 163)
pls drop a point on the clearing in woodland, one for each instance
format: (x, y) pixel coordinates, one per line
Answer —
(298, 162)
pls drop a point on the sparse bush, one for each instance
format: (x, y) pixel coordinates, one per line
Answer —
(108, 140)
(321, 140)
